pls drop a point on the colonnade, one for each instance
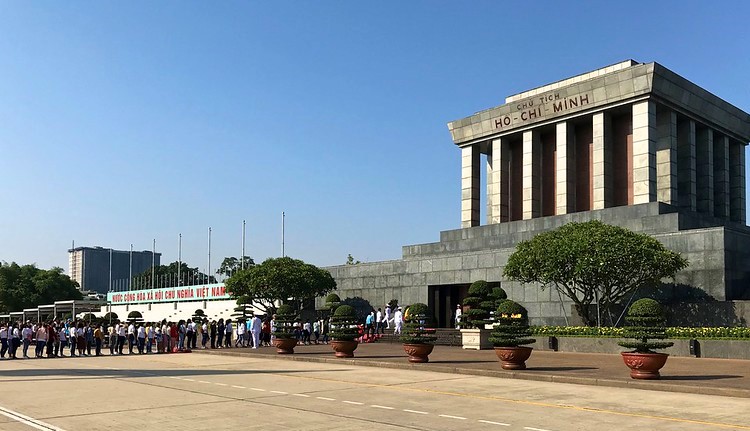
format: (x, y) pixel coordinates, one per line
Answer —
(638, 153)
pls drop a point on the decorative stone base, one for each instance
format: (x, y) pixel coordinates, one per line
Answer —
(476, 339)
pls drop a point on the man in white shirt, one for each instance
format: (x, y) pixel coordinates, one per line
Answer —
(379, 322)
(398, 320)
(141, 339)
(240, 334)
(27, 335)
(121, 337)
(458, 316)
(387, 317)
(255, 328)
(131, 338)
(4, 337)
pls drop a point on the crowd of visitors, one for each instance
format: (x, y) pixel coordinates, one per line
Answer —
(80, 338)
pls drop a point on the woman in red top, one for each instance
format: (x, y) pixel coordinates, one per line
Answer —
(172, 334)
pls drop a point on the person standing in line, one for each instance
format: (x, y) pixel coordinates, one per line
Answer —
(131, 338)
(111, 340)
(266, 332)
(306, 331)
(398, 320)
(158, 338)
(63, 340)
(220, 333)
(150, 335)
(41, 340)
(51, 336)
(204, 333)
(228, 330)
(240, 334)
(121, 337)
(98, 338)
(165, 344)
(141, 336)
(89, 338)
(81, 339)
(71, 328)
(5, 339)
(316, 331)
(15, 340)
(189, 332)
(174, 336)
(255, 330)
(198, 332)
(387, 317)
(212, 333)
(27, 335)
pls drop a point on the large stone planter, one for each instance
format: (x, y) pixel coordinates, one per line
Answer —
(284, 346)
(344, 349)
(644, 365)
(476, 339)
(513, 358)
(418, 353)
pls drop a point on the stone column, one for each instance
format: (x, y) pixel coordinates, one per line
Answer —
(602, 161)
(470, 186)
(497, 179)
(737, 185)
(532, 162)
(721, 176)
(644, 152)
(686, 173)
(704, 170)
(564, 166)
(666, 157)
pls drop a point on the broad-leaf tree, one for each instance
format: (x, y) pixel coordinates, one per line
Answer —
(230, 265)
(279, 280)
(593, 261)
(28, 286)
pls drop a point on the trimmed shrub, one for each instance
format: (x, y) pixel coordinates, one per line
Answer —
(645, 322)
(344, 324)
(332, 301)
(480, 305)
(512, 327)
(284, 322)
(414, 330)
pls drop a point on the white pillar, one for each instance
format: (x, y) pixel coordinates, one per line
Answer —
(531, 175)
(564, 169)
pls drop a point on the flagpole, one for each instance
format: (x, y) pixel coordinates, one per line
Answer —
(153, 263)
(130, 271)
(110, 269)
(283, 254)
(208, 273)
(242, 258)
(179, 258)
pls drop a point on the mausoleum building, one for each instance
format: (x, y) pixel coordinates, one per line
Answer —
(631, 144)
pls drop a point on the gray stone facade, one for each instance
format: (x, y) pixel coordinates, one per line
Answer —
(633, 145)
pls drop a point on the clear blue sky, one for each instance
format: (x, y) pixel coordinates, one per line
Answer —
(121, 122)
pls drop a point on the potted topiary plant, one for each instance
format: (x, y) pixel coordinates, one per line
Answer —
(510, 334)
(344, 331)
(417, 338)
(646, 322)
(475, 319)
(283, 332)
(331, 302)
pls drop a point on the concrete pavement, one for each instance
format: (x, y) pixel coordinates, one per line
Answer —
(216, 392)
(725, 377)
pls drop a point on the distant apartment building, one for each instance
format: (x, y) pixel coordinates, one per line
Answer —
(90, 266)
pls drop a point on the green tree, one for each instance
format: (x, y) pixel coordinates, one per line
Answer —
(230, 265)
(28, 286)
(279, 280)
(350, 260)
(593, 262)
(169, 276)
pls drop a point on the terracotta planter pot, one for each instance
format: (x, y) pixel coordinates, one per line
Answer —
(418, 353)
(644, 365)
(513, 358)
(284, 346)
(344, 349)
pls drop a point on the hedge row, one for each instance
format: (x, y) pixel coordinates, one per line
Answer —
(722, 333)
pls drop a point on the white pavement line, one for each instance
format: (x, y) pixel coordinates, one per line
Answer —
(221, 384)
(375, 406)
(353, 402)
(280, 392)
(301, 395)
(534, 429)
(452, 417)
(176, 378)
(326, 398)
(203, 381)
(238, 387)
(189, 380)
(26, 420)
(415, 411)
(257, 389)
(493, 423)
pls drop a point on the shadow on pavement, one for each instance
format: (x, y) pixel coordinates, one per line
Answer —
(561, 368)
(698, 378)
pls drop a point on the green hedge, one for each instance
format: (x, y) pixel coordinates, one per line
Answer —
(720, 333)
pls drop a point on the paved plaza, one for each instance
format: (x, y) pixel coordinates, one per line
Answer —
(244, 389)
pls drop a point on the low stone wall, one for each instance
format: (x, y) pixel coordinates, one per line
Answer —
(724, 349)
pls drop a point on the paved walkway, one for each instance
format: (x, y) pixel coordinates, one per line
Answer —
(726, 377)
